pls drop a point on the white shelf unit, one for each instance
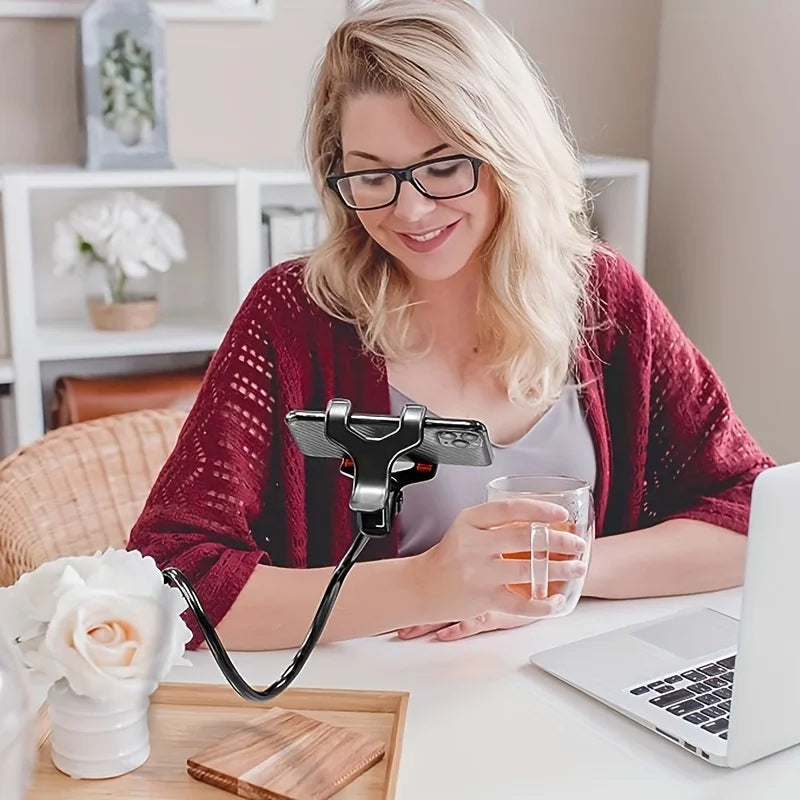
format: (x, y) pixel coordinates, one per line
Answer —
(45, 330)
(48, 327)
(621, 189)
(73, 339)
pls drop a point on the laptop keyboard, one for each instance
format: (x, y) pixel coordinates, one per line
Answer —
(701, 696)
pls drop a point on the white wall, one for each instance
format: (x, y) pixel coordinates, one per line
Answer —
(724, 206)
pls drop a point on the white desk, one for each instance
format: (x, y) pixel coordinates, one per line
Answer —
(484, 723)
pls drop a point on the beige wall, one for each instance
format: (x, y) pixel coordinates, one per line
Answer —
(600, 58)
(38, 114)
(724, 209)
(237, 91)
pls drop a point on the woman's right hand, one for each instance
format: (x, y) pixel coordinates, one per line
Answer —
(465, 575)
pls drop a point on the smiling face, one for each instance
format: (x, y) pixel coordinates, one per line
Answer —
(433, 239)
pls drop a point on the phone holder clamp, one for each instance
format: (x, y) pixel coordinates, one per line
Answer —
(377, 493)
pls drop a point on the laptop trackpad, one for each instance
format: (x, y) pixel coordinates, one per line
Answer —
(693, 635)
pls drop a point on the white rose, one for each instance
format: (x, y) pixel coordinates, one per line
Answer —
(125, 231)
(29, 605)
(168, 237)
(93, 222)
(155, 259)
(104, 622)
(66, 252)
(129, 572)
(107, 644)
(15, 623)
(128, 244)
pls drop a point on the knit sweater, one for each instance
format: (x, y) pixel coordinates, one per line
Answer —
(237, 492)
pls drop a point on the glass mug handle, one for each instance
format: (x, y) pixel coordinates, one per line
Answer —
(540, 560)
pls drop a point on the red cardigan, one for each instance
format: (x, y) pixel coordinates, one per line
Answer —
(236, 491)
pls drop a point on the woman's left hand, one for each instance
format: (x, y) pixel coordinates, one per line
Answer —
(448, 631)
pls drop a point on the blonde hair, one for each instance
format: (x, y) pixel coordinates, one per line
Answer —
(465, 77)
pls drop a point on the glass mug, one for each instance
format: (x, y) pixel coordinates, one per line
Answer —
(575, 496)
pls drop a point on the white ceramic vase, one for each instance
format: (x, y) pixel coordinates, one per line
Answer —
(97, 738)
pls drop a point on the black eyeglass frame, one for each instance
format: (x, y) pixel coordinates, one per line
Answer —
(405, 174)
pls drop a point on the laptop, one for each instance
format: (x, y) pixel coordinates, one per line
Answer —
(726, 690)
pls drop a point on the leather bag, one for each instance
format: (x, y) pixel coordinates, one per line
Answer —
(76, 399)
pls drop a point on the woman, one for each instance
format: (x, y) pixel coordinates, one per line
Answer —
(460, 272)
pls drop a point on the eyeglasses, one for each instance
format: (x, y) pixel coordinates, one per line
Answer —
(439, 178)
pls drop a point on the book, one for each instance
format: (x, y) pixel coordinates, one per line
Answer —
(289, 232)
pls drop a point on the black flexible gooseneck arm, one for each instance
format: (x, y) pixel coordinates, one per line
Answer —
(376, 499)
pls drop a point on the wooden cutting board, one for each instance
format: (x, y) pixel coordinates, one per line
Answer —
(283, 755)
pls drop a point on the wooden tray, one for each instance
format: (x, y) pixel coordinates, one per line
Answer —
(184, 717)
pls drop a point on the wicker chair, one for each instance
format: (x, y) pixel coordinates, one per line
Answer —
(80, 488)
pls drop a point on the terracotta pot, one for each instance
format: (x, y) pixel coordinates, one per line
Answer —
(132, 316)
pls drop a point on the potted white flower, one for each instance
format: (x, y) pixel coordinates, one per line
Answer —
(100, 633)
(118, 241)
